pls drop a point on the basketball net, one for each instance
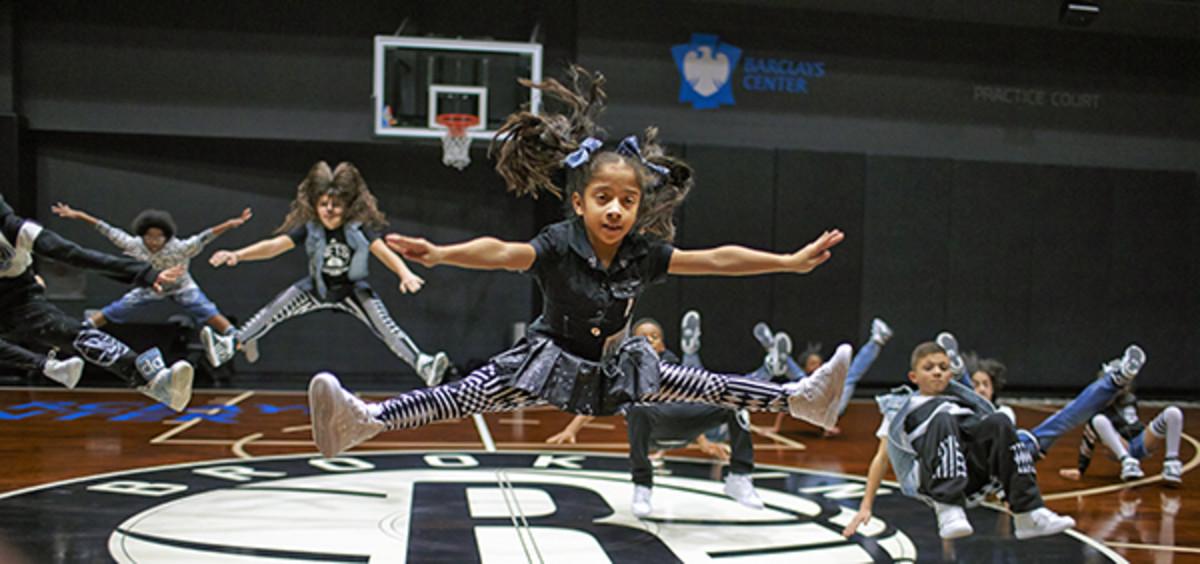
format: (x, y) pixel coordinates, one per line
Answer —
(456, 144)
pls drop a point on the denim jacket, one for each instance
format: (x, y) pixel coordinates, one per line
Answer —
(314, 244)
(894, 407)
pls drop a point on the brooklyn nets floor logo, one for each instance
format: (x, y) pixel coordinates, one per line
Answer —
(417, 507)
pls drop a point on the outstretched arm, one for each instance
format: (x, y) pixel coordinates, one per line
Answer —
(735, 260)
(483, 253)
(409, 282)
(874, 478)
(262, 250)
(232, 223)
(63, 210)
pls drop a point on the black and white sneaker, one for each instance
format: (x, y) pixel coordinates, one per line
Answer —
(764, 336)
(778, 354)
(689, 333)
(432, 369)
(950, 345)
(217, 348)
(880, 331)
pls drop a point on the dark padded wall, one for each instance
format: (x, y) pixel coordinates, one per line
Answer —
(1046, 237)
(1053, 270)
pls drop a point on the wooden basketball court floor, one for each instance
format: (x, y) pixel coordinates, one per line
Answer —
(52, 435)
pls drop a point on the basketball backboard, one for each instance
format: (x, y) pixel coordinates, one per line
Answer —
(419, 78)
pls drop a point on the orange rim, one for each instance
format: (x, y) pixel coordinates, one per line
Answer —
(457, 123)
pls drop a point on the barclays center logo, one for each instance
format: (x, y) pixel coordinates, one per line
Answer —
(706, 65)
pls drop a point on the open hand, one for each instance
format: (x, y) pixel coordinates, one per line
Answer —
(169, 275)
(411, 284)
(63, 210)
(860, 518)
(238, 221)
(414, 248)
(816, 252)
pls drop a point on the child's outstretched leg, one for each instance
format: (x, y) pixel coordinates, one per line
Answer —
(813, 399)
(1089, 402)
(371, 311)
(341, 420)
(147, 372)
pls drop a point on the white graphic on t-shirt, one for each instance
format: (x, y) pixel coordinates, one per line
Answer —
(337, 258)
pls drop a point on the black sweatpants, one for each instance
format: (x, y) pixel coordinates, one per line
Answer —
(36, 320)
(961, 455)
(675, 425)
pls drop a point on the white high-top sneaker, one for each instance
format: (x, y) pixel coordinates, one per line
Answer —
(66, 372)
(950, 345)
(431, 369)
(1039, 523)
(218, 348)
(880, 331)
(778, 354)
(172, 386)
(1131, 469)
(641, 501)
(1172, 472)
(816, 399)
(762, 333)
(339, 419)
(952, 521)
(741, 488)
(689, 332)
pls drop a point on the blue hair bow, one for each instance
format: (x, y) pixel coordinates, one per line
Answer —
(629, 147)
(583, 154)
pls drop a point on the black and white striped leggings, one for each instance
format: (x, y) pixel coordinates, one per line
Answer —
(362, 303)
(483, 392)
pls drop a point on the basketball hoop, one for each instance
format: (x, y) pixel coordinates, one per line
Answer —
(456, 144)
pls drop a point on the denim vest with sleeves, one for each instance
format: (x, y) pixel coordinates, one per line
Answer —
(894, 406)
(314, 245)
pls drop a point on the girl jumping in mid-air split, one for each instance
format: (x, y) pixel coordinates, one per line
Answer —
(334, 217)
(578, 355)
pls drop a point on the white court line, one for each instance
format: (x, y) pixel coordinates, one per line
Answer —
(484, 434)
(189, 424)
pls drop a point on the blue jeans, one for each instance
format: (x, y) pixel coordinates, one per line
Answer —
(191, 300)
(1089, 402)
(862, 362)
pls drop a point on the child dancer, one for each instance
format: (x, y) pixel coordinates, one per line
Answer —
(334, 217)
(1119, 428)
(949, 447)
(26, 315)
(154, 241)
(578, 355)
